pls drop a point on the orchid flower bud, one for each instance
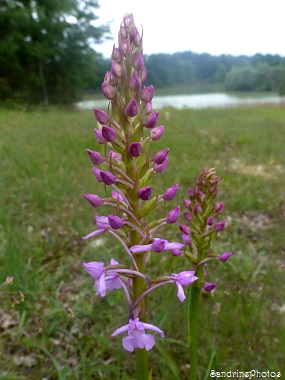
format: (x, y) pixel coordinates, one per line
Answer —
(220, 226)
(225, 256)
(95, 157)
(97, 173)
(147, 109)
(160, 156)
(147, 94)
(169, 193)
(114, 156)
(135, 83)
(99, 136)
(107, 177)
(159, 168)
(132, 108)
(197, 208)
(143, 74)
(117, 196)
(135, 149)
(137, 38)
(191, 193)
(187, 203)
(219, 207)
(94, 200)
(173, 215)
(157, 132)
(184, 229)
(209, 287)
(210, 221)
(116, 55)
(109, 91)
(115, 222)
(101, 116)
(145, 193)
(116, 69)
(187, 216)
(138, 62)
(176, 252)
(109, 78)
(151, 120)
(158, 245)
(109, 133)
(186, 239)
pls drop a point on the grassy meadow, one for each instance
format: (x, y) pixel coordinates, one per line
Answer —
(44, 172)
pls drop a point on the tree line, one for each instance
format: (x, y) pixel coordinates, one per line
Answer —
(46, 57)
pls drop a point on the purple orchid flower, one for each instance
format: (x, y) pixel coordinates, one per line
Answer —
(158, 245)
(103, 282)
(137, 338)
(183, 279)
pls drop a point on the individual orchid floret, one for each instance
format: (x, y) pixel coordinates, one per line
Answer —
(132, 108)
(209, 286)
(197, 208)
(103, 282)
(107, 177)
(117, 196)
(97, 173)
(99, 136)
(135, 149)
(147, 94)
(220, 226)
(138, 62)
(159, 168)
(101, 116)
(147, 109)
(225, 256)
(187, 203)
(219, 207)
(151, 120)
(115, 222)
(160, 156)
(116, 69)
(173, 215)
(157, 132)
(109, 133)
(186, 239)
(95, 157)
(187, 216)
(135, 83)
(184, 229)
(114, 156)
(137, 338)
(210, 220)
(169, 193)
(109, 91)
(158, 245)
(94, 200)
(176, 252)
(145, 193)
(102, 222)
(183, 279)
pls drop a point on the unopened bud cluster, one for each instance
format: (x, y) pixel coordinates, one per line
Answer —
(203, 220)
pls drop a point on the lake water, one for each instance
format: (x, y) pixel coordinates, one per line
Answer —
(197, 101)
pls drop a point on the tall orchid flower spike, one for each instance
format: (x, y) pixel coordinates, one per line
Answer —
(137, 338)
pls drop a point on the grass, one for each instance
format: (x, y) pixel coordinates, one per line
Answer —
(44, 171)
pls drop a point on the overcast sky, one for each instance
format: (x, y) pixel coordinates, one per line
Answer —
(203, 26)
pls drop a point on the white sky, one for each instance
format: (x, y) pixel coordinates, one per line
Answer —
(203, 26)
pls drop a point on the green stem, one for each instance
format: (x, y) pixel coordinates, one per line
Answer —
(192, 312)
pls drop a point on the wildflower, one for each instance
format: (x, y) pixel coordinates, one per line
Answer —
(183, 279)
(137, 338)
(209, 287)
(225, 256)
(220, 226)
(151, 120)
(173, 215)
(219, 207)
(169, 193)
(158, 245)
(160, 156)
(147, 94)
(135, 149)
(94, 200)
(109, 133)
(156, 132)
(95, 157)
(103, 282)
(145, 193)
(101, 116)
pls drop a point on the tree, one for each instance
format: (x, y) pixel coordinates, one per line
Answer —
(45, 48)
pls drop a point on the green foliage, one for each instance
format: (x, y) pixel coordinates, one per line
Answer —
(45, 53)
